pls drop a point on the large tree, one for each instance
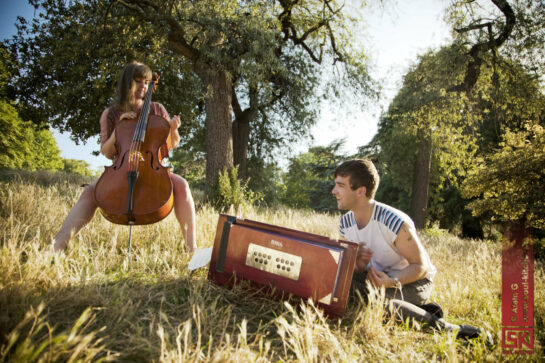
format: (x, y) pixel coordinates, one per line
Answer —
(429, 138)
(494, 40)
(241, 57)
(421, 139)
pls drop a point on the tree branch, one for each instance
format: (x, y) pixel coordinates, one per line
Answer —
(478, 50)
(176, 35)
(290, 33)
(473, 27)
(237, 110)
(177, 42)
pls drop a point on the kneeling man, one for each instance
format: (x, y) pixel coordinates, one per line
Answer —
(390, 254)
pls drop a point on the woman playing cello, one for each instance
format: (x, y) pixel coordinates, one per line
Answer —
(129, 99)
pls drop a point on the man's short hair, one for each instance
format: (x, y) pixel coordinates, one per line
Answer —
(360, 173)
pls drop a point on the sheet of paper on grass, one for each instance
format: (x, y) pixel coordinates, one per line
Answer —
(200, 258)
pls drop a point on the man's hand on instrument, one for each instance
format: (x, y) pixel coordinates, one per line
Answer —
(379, 278)
(363, 257)
(128, 115)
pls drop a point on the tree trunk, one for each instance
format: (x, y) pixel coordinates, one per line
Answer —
(421, 182)
(241, 131)
(471, 226)
(241, 136)
(219, 142)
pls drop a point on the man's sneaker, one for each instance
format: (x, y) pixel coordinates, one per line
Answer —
(434, 309)
(468, 332)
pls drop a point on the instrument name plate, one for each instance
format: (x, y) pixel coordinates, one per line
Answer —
(274, 261)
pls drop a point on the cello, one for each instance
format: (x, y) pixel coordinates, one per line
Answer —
(136, 189)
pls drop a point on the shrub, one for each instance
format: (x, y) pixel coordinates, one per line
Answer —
(229, 191)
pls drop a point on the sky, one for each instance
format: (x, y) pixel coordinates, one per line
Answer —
(393, 38)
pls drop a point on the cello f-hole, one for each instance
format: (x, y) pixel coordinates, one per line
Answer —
(118, 165)
(151, 162)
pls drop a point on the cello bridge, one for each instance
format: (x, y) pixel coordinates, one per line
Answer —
(135, 156)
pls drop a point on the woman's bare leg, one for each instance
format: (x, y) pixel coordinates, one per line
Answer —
(184, 208)
(80, 214)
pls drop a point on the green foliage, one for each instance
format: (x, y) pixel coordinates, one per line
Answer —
(230, 191)
(511, 182)
(421, 112)
(13, 137)
(423, 107)
(478, 22)
(389, 192)
(266, 179)
(8, 68)
(34, 340)
(309, 179)
(80, 167)
(46, 154)
(539, 244)
(323, 165)
(67, 77)
(43, 178)
(297, 181)
(24, 146)
(273, 51)
(191, 165)
(271, 54)
(462, 127)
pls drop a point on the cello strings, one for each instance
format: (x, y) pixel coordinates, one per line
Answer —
(140, 133)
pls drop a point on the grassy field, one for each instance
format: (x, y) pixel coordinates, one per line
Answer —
(89, 305)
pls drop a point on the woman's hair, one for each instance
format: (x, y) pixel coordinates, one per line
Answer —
(124, 92)
(360, 173)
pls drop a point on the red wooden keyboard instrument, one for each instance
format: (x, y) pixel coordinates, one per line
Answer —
(286, 260)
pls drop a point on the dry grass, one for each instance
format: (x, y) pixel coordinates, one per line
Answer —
(89, 305)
